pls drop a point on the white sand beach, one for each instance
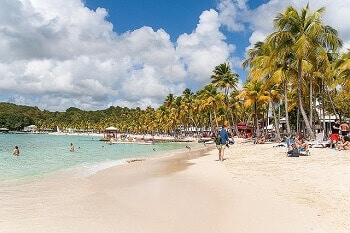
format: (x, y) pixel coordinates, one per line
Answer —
(256, 189)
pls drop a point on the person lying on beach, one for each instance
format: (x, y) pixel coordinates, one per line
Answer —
(345, 145)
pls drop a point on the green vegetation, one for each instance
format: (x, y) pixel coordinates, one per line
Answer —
(295, 71)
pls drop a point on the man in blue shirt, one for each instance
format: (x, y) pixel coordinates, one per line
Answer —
(224, 138)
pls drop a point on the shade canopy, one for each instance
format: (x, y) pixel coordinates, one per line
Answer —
(111, 128)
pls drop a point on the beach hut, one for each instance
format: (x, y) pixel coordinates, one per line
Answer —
(110, 133)
(244, 129)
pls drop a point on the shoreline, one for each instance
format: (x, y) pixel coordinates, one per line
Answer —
(256, 189)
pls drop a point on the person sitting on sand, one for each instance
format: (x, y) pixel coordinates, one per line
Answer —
(345, 144)
(301, 143)
(261, 139)
(16, 151)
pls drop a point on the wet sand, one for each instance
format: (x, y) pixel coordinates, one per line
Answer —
(256, 189)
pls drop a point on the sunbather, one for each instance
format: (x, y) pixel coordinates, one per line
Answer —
(345, 144)
(300, 142)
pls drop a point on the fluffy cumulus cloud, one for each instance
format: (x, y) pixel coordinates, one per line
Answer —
(204, 48)
(58, 54)
(336, 13)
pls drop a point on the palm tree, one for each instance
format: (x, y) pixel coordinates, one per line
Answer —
(187, 101)
(342, 67)
(212, 101)
(224, 78)
(272, 68)
(254, 94)
(308, 39)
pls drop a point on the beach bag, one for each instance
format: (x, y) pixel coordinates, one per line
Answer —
(293, 153)
(218, 139)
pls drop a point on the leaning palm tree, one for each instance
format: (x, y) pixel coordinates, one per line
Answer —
(308, 39)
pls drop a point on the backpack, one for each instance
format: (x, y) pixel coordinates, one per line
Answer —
(218, 139)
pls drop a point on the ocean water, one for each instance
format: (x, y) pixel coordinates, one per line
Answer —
(47, 153)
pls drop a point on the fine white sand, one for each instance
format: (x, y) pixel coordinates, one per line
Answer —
(256, 189)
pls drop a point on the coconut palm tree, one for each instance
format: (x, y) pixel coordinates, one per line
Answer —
(271, 67)
(308, 39)
(212, 101)
(254, 94)
(224, 78)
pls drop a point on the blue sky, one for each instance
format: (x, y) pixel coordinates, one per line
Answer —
(175, 17)
(92, 54)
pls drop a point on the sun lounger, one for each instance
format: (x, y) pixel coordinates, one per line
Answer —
(319, 141)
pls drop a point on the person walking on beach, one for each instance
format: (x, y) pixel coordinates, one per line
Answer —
(71, 149)
(335, 134)
(16, 151)
(223, 140)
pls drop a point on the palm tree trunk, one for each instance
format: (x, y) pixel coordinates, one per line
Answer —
(256, 119)
(301, 107)
(286, 108)
(325, 131)
(311, 105)
(331, 101)
(277, 123)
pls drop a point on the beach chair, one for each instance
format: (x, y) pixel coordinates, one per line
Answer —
(319, 141)
(289, 142)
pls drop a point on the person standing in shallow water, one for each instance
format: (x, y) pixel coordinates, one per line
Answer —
(16, 151)
(224, 138)
(71, 149)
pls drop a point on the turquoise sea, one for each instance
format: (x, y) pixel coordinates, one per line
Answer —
(47, 153)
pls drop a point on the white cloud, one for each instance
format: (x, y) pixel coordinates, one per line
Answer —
(230, 12)
(58, 54)
(204, 48)
(336, 13)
